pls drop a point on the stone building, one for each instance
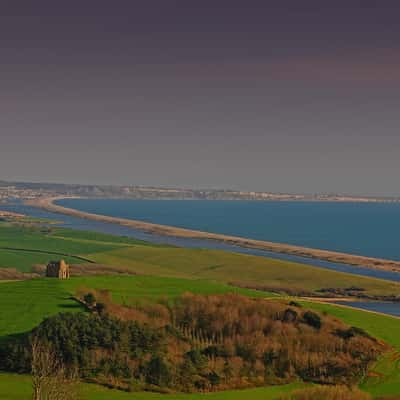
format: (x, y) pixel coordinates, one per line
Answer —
(57, 269)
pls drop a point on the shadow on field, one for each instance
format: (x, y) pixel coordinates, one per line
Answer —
(70, 306)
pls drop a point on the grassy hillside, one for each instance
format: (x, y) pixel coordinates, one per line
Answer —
(384, 377)
(170, 271)
(232, 267)
(24, 260)
(17, 241)
(149, 259)
(50, 241)
(381, 326)
(24, 304)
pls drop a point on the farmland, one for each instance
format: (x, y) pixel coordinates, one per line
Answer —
(17, 387)
(168, 261)
(168, 272)
(25, 304)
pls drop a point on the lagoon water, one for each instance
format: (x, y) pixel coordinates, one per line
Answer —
(369, 229)
(68, 221)
(116, 208)
(376, 306)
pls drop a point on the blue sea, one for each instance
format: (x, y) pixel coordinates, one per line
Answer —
(370, 229)
(367, 229)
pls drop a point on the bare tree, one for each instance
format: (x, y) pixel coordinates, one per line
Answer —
(50, 378)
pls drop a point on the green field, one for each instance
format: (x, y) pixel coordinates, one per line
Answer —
(237, 268)
(386, 377)
(24, 304)
(149, 259)
(36, 238)
(383, 380)
(17, 387)
(24, 260)
(21, 247)
(167, 272)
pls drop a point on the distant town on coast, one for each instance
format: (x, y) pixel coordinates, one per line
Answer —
(29, 190)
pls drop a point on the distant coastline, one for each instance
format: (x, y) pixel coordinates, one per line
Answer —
(31, 190)
(48, 203)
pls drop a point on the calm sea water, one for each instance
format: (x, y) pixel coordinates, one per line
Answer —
(98, 226)
(370, 229)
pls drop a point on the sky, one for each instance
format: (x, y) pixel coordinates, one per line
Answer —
(281, 96)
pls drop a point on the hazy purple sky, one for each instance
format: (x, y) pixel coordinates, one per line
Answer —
(291, 96)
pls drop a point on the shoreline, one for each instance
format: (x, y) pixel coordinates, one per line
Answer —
(346, 306)
(48, 204)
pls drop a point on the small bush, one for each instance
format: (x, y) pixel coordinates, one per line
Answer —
(101, 308)
(351, 332)
(158, 372)
(312, 319)
(289, 315)
(89, 299)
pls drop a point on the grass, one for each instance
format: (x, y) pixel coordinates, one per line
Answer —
(232, 267)
(34, 238)
(169, 272)
(384, 377)
(24, 304)
(149, 259)
(24, 260)
(263, 393)
(17, 387)
(381, 326)
(128, 289)
(97, 236)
